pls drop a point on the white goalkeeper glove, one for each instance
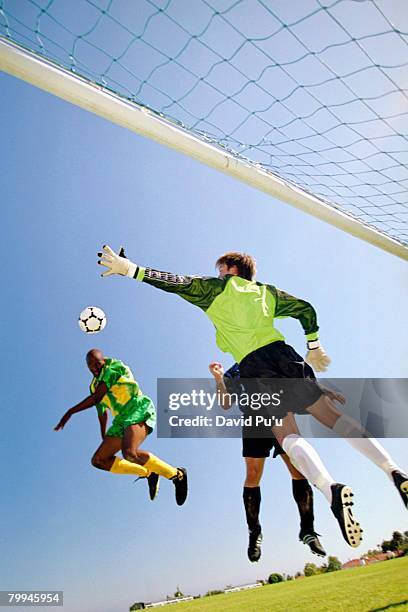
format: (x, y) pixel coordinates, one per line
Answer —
(116, 264)
(316, 356)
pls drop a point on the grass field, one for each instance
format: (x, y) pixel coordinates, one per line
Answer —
(381, 586)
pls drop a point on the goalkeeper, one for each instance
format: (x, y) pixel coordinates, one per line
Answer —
(113, 387)
(243, 312)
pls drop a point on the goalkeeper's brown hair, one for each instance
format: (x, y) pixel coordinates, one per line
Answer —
(245, 263)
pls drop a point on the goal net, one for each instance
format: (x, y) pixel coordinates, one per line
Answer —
(304, 100)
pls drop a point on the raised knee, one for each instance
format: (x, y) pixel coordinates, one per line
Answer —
(97, 462)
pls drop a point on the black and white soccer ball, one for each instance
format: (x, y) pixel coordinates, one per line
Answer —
(92, 320)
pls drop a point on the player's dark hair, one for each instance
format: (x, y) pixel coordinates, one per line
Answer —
(245, 263)
(92, 353)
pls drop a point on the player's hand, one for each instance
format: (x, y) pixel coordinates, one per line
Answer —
(116, 264)
(216, 370)
(63, 421)
(334, 396)
(316, 356)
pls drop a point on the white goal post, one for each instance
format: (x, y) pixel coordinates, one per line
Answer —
(56, 80)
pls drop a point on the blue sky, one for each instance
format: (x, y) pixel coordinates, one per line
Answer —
(74, 182)
(71, 183)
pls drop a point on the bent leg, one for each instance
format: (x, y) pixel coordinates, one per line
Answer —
(133, 438)
(354, 433)
(104, 456)
(288, 427)
(294, 472)
(324, 411)
(371, 448)
(105, 459)
(303, 456)
(306, 459)
(303, 496)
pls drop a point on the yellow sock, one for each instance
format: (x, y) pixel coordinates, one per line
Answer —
(121, 466)
(154, 464)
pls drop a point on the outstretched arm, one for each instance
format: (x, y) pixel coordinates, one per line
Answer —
(200, 291)
(88, 402)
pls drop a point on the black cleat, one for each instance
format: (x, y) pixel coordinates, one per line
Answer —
(401, 482)
(341, 508)
(153, 482)
(180, 483)
(310, 538)
(254, 545)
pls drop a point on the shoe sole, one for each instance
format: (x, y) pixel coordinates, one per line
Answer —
(352, 529)
(404, 489)
(317, 553)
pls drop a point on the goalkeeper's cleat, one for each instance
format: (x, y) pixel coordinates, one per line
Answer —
(180, 483)
(254, 545)
(310, 538)
(341, 507)
(153, 482)
(401, 482)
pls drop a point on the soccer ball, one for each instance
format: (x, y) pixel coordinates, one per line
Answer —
(92, 320)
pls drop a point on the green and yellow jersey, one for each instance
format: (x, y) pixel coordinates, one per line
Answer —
(122, 387)
(242, 311)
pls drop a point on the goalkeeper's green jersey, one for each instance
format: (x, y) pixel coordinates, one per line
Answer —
(242, 311)
(122, 387)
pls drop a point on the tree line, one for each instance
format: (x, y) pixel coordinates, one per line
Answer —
(398, 543)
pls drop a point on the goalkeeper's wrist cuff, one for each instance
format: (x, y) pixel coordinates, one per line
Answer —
(313, 344)
(131, 270)
(136, 272)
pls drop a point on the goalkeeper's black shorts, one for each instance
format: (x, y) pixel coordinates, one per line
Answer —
(278, 369)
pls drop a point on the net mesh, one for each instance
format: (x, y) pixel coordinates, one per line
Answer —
(313, 91)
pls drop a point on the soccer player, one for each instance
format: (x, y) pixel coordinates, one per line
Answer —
(243, 312)
(255, 451)
(113, 387)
